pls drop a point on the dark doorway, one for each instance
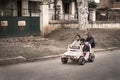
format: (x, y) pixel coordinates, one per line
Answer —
(19, 7)
(66, 8)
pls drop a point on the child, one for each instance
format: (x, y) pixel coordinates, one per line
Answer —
(91, 40)
(85, 47)
(76, 41)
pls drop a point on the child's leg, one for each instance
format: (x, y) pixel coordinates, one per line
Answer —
(92, 50)
(87, 55)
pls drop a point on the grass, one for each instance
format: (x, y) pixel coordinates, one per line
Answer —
(7, 51)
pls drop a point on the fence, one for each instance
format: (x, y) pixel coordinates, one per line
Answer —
(19, 26)
(108, 15)
(14, 22)
(19, 12)
(63, 16)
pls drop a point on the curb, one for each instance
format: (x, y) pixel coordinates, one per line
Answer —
(21, 59)
(44, 58)
(107, 49)
(59, 55)
(14, 60)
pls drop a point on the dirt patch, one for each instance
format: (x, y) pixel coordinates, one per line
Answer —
(55, 43)
(29, 47)
(104, 38)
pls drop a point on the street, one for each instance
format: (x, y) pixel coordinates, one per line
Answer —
(105, 67)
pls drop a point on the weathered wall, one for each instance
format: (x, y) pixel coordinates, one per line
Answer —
(105, 25)
(105, 3)
(116, 5)
(56, 26)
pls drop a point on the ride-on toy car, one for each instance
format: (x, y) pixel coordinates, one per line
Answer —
(76, 54)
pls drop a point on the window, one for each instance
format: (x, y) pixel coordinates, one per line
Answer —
(34, 7)
(19, 7)
(117, 0)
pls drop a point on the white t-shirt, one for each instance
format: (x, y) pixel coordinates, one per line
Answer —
(76, 43)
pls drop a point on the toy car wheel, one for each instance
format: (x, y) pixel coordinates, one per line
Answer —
(91, 57)
(64, 60)
(81, 61)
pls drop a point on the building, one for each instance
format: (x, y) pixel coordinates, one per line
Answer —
(58, 9)
(20, 17)
(20, 7)
(63, 10)
(28, 15)
(23, 16)
(113, 4)
(108, 10)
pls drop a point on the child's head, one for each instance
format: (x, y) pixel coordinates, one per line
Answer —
(77, 37)
(82, 41)
(89, 35)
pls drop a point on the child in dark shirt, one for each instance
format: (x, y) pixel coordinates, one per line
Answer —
(85, 46)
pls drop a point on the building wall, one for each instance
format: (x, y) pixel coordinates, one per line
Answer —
(109, 3)
(63, 12)
(5, 4)
(14, 8)
(6, 7)
(55, 25)
(106, 25)
(116, 5)
(104, 3)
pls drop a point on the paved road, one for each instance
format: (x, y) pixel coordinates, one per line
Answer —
(105, 67)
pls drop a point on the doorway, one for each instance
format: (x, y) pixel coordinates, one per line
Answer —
(66, 8)
(19, 7)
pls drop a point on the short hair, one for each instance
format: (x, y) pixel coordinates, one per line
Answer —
(82, 39)
(78, 35)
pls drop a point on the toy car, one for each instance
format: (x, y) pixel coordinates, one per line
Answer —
(76, 54)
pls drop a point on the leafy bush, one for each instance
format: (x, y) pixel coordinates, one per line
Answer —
(92, 4)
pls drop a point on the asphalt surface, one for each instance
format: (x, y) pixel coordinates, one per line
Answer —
(105, 67)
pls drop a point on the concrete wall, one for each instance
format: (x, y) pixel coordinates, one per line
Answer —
(105, 25)
(55, 26)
